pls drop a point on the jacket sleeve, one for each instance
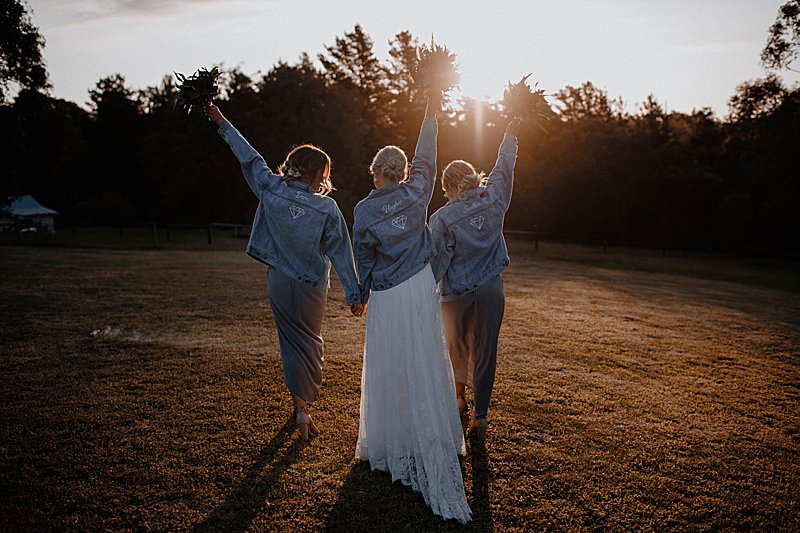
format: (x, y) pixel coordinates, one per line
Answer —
(422, 175)
(365, 247)
(255, 170)
(336, 245)
(501, 178)
(445, 245)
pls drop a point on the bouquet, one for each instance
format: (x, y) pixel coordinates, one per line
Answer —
(436, 68)
(195, 90)
(523, 102)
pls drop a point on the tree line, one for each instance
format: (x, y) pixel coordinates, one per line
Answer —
(650, 177)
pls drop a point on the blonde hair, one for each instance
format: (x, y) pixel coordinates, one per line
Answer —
(459, 177)
(391, 163)
(305, 161)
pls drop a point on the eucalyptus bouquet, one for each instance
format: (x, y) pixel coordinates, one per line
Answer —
(436, 68)
(197, 89)
(523, 102)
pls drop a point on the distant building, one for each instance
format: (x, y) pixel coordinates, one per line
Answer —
(27, 213)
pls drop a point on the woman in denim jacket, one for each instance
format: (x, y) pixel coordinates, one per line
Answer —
(409, 423)
(471, 253)
(298, 231)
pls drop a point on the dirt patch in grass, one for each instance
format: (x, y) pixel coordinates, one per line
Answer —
(627, 397)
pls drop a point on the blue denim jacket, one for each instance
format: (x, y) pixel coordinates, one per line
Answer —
(294, 230)
(391, 240)
(468, 230)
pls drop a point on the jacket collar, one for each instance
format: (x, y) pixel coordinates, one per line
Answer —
(384, 190)
(303, 186)
(466, 195)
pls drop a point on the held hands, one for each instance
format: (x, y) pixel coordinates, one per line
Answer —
(358, 309)
(213, 113)
(513, 127)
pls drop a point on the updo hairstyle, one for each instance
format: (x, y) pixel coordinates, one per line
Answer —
(303, 163)
(459, 177)
(391, 163)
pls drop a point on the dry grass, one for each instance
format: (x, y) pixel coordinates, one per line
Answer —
(633, 392)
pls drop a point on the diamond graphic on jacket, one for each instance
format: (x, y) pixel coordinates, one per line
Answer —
(296, 212)
(400, 222)
(476, 222)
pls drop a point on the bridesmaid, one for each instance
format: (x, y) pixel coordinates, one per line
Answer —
(298, 231)
(409, 423)
(471, 254)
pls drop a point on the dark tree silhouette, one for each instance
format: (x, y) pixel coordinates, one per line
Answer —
(653, 177)
(352, 61)
(586, 101)
(783, 42)
(756, 99)
(21, 46)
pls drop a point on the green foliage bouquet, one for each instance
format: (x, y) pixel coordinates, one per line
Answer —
(195, 90)
(436, 68)
(523, 102)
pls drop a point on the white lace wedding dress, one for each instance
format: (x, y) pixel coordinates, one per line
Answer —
(409, 423)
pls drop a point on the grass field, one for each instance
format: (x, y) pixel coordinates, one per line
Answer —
(634, 391)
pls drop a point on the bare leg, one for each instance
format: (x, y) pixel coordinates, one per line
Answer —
(303, 419)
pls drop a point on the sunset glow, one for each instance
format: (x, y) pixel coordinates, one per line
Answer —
(688, 54)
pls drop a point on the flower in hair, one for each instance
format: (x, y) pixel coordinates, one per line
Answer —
(293, 172)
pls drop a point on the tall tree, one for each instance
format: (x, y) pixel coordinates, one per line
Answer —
(21, 45)
(114, 141)
(756, 99)
(587, 101)
(406, 102)
(352, 61)
(783, 42)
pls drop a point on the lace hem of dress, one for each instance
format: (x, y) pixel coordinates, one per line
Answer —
(411, 473)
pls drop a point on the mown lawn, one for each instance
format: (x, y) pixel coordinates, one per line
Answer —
(634, 391)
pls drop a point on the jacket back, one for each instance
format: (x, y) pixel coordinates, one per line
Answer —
(468, 230)
(391, 239)
(294, 230)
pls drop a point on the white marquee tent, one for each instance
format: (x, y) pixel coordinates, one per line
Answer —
(26, 209)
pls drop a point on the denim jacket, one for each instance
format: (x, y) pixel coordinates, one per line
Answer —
(294, 230)
(391, 240)
(468, 230)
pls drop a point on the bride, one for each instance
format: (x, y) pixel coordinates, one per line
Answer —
(409, 423)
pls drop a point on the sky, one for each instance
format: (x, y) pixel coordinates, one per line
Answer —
(688, 53)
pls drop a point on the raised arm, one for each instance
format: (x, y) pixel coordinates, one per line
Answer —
(502, 175)
(255, 170)
(336, 245)
(423, 167)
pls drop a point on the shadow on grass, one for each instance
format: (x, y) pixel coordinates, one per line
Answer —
(369, 501)
(479, 461)
(246, 501)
